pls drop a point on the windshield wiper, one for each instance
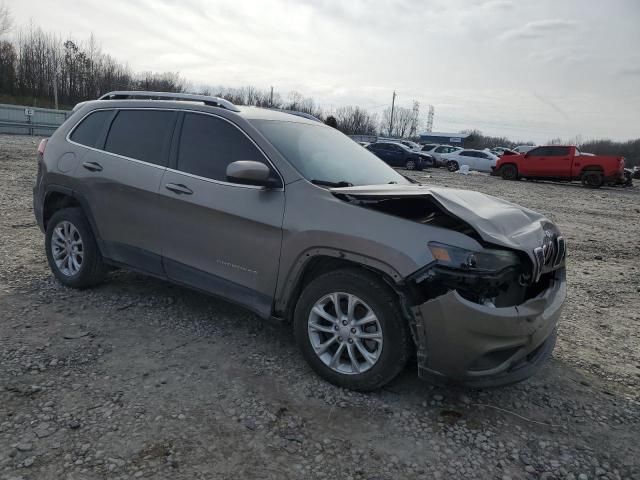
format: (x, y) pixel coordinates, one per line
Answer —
(327, 183)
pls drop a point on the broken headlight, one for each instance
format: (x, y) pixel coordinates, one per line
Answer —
(469, 260)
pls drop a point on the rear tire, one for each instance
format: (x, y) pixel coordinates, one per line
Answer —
(592, 179)
(453, 166)
(509, 172)
(333, 349)
(72, 251)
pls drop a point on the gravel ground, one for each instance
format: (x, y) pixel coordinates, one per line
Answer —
(140, 378)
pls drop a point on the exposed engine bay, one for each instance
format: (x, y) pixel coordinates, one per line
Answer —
(505, 288)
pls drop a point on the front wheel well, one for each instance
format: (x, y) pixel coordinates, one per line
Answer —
(321, 264)
(55, 201)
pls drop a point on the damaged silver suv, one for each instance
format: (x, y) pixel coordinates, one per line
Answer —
(291, 219)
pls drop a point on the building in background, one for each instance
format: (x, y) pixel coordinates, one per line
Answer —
(444, 138)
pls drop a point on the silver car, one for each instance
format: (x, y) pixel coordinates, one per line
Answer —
(293, 220)
(439, 151)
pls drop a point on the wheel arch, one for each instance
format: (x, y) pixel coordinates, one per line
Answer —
(57, 197)
(317, 261)
(592, 168)
(507, 164)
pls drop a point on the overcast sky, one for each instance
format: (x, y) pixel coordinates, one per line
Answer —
(530, 70)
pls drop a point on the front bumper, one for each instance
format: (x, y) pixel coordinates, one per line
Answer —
(482, 346)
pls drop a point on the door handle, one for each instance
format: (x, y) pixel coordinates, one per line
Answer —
(178, 188)
(92, 166)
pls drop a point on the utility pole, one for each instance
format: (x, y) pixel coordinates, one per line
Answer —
(271, 98)
(393, 104)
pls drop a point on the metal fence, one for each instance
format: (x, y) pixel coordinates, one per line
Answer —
(24, 120)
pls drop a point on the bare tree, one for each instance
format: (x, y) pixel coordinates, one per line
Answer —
(6, 20)
(403, 118)
(40, 68)
(355, 121)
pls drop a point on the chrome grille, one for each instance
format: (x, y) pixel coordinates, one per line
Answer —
(550, 255)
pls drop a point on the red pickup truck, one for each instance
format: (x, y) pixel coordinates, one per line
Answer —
(557, 162)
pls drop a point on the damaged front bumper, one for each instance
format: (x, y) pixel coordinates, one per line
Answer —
(479, 345)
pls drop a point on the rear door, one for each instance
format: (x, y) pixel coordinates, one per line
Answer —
(220, 236)
(466, 157)
(119, 177)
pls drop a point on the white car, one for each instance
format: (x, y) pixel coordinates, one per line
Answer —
(437, 152)
(476, 160)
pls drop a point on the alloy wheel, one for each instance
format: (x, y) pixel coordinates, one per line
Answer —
(67, 248)
(345, 333)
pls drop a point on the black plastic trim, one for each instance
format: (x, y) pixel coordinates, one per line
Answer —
(255, 301)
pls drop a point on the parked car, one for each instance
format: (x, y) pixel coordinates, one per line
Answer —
(499, 151)
(523, 148)
(399, 155)
(636, 172)
(293, 220)
(479, 160)
(437, 152)
(412, 145)
(566, 163)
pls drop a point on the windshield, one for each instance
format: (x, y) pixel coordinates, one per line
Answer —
(324, 154)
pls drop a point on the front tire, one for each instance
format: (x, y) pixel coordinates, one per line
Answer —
(410, 165)
(72, 251)
(349, 327)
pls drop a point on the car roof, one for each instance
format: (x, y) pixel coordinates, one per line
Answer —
(392, 143)
(146, 99)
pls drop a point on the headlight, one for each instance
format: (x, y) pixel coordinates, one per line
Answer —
(462, 259)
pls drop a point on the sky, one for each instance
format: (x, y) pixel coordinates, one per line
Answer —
(528, 70)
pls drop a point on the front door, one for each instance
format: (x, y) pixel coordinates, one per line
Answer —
(219, 236)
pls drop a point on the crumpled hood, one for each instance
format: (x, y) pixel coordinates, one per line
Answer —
(496, 221)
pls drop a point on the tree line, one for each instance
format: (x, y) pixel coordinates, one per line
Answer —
(42, 69)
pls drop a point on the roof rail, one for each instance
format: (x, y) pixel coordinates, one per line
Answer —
(141, 94)
(297, 114)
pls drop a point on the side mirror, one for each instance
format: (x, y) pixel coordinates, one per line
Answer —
(249, 172)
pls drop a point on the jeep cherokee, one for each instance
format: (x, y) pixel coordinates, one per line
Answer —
(293, 220)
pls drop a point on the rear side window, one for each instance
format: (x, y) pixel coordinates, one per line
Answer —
(90, 129)
(142, 135)
(558, 151)
(208, 144)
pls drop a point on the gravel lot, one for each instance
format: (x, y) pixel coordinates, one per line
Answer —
(140, 378)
